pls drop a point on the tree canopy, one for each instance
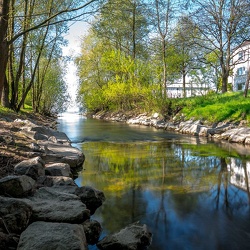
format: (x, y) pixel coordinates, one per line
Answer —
(134, 52)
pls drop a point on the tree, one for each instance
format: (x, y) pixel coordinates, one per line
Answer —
(53, 82)
(4, 14)
(163, 16)
(185, 47)
(111, 79)
(127, 27)
(223, 24)
(57, 12)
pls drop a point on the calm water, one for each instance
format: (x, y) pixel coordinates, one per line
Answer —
(193, 194)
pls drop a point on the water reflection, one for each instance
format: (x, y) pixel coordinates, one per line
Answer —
(192, 193)
(183, 194)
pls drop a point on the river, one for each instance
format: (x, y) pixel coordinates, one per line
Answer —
(192, 193)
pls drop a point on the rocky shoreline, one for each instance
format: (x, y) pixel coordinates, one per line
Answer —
(225, 131)
(41, 207)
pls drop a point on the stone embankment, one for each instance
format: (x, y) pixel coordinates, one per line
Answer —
(41, 207)
(237, 133)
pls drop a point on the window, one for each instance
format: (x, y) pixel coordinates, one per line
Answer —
(241, 86)
(241, 55)
(241, 71)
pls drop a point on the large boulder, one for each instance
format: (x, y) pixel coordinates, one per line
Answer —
(133, 237)
(15, 215)
(17, 186)
(91, 197)
(50, 236)
(50, 205)
(8, 241)
(58, 169)
(34, 168)
(62, 153)
(93, 230)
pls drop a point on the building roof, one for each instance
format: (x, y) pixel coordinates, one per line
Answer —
(243, 44)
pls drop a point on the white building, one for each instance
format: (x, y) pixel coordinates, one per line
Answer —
(194, 87)
(240, 66)
(239, 173)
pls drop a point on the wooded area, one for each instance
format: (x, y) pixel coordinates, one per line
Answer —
(31, 39)
(131, 56)
(133, 51)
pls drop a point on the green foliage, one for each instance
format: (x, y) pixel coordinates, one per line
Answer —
(123, 83)
(217, 107)
(54, 97)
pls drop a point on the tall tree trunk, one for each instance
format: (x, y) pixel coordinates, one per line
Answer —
(134, 31)
(5, 94)
(224, 77)
(163, 34)
(4, 10)
(30, 85)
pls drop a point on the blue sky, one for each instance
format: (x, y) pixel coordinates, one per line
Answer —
(76, 31)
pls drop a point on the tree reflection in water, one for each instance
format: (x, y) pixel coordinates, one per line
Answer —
(183, 191)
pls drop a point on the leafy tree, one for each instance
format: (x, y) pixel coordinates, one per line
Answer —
(223, 24)
(184, 42)
(126, 28)
(164, 13)
(121, 82)
(18, 19)
(53, 82)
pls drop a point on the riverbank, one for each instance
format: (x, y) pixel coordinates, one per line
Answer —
(15, 146)
(232, 132)
(41, 207)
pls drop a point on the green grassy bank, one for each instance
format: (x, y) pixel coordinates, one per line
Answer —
(231, 107)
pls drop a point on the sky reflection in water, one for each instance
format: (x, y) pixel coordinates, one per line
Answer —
(193, 194)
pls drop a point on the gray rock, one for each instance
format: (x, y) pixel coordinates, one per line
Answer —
(17, 186)
(93, 230)
(36, 148)
(36, 132)
(63, 153)
(7, 139)
(240, 136)
(133, 237)
(33, 135)
(50, 205)
(50, 181)
(14, 215)
(53, 236)
(58, 169)
(8, 241)
(91, 197)
(33, 167)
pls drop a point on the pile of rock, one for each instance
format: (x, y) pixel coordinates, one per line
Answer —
(41, 207)
(221, 130)
(43, 204)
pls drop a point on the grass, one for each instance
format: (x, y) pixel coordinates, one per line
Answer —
(231, 107)
(26, 113)
(6, 112)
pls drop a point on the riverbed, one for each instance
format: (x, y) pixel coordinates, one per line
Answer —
(192, 193)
